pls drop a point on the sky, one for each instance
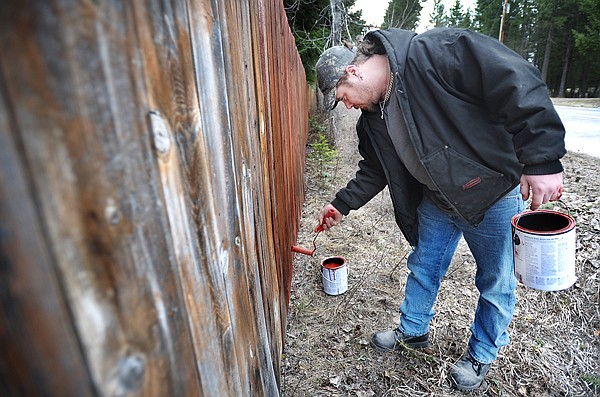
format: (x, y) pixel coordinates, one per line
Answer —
(374, 10)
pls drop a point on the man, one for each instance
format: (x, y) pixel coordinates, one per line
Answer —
(462, 131)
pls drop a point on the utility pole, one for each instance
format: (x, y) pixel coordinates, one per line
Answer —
(503, 21)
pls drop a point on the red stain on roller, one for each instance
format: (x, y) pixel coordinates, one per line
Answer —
(318, 229)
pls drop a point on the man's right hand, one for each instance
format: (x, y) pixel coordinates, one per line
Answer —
(331, 221)
(543, 188)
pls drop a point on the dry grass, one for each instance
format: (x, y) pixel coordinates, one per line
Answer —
(555, 337)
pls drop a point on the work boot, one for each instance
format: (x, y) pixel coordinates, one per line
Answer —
(386, 341)
(468, 373)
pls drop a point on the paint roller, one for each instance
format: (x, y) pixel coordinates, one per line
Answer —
(318, 229)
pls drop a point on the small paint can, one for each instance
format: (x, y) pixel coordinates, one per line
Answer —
(544, 249)
(334, 271)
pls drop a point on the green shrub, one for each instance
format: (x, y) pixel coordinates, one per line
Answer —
(322, 154)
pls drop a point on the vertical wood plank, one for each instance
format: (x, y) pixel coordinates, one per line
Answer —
(39, 349)
(85, 138)
(245, 288)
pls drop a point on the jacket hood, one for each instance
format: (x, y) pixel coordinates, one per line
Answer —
(397, 52)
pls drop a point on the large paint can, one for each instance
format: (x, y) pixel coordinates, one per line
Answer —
(544, 249)
(334, 271)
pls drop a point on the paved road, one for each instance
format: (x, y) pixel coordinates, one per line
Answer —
(583, 129)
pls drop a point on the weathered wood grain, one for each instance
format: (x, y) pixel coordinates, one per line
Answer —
(36, 331)
(152, 155)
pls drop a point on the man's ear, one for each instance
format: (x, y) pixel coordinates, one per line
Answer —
(353, 70)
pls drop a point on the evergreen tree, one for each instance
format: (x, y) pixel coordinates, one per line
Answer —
(467, 20)
(310, 22)
(587, 44)
(310, 27)
(438, 17)
(455, 16)
(402, 14)
(487, 17)
(527, 17)
(560, 37)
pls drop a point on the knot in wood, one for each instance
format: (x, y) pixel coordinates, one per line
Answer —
(160, 132)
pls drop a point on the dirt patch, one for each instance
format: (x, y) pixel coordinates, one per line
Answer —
(555, 337)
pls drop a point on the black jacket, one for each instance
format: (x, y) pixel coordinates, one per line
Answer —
(478, 115)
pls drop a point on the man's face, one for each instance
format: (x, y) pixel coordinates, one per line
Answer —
(357, 93)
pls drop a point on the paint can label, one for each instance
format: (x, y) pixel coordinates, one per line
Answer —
(334, 272)
(544, 258)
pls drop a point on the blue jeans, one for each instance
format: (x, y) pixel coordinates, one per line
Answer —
(491, 245)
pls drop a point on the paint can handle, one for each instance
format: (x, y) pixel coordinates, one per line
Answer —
(566, 207)
(560, 202)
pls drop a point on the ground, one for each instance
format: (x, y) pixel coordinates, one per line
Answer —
(555, 336)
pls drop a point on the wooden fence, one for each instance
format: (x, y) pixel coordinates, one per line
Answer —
(151, 159)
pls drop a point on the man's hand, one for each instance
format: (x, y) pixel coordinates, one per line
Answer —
(543, 188)
(329, 221)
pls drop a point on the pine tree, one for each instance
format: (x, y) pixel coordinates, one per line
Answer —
(587, 44)
(487, 17)
(467, 19)
(311, 22)
(456, 15)
(402, 14)
(438, 17)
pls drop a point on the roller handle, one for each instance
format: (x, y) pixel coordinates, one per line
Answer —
(329, 214)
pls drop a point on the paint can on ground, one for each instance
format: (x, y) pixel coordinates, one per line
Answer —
(334, 271)
(544, 249)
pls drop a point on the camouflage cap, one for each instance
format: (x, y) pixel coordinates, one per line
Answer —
(330, 67)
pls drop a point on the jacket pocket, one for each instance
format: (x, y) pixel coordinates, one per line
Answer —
(470, 187)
